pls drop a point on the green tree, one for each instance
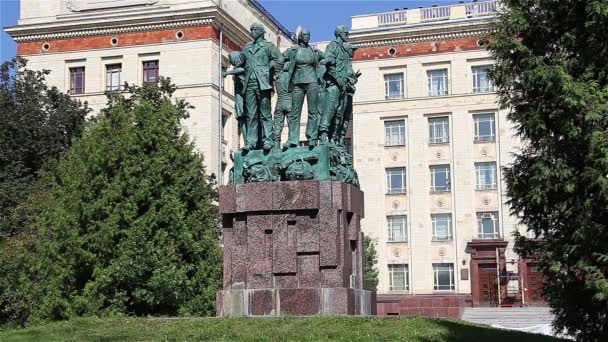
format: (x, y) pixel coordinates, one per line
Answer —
(37, 125)
(370, 261)
(129, 225)
(551, 72)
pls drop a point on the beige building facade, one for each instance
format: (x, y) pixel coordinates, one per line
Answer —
(91, 46)
(429, 142)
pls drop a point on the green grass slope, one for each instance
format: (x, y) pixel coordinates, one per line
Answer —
(282, 329)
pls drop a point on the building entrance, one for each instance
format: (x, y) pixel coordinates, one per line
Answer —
(487, 285)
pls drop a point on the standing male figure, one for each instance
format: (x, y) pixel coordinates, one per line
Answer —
(261, 57)
(304, 82)
(345, 112)
(283, 106)
(336, 61)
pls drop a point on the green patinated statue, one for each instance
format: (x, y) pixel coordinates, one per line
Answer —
(327, 82)
(337, 61)
(283, 106)
(238, 62)
(304, 81)
(345, 111)
(261, 57)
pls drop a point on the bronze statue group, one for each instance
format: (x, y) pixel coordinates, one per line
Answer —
(325, 79)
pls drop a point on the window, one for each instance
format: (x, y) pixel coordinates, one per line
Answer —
(395, 179)
(395, 132)
(440, 178)
(481, 79)
(113, 75)
(398, 277)
(487, 223)
(442, 227)
(77, 80)
(439, 130)
(397, 228)
(443, 277)
(486, 175)
(438, 82)
(484, 127)
(151, 71)
(393, 86)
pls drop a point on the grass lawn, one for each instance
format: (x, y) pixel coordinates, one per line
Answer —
(265, 329)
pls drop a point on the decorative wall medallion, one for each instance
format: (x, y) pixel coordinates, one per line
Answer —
(396, 252)
(46, 46)
(395, 156)
(484, 151)
(438, 154)
(396, 204)
(442, 251)
(440, 203)
(486, 201)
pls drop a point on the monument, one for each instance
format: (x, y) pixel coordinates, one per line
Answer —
(291, 214)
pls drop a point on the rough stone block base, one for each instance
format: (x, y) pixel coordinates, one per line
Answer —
(293, 249)
(295, 302)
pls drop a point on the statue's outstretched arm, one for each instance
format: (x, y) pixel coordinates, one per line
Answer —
(235, 71)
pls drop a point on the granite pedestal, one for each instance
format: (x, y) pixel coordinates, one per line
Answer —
(293, 249)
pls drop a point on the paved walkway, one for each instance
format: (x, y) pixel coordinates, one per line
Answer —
(532, 319)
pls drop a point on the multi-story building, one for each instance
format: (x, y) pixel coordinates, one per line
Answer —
(428, 136)
(91, 46)
(430, 140)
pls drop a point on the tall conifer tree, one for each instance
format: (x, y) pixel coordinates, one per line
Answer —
(552, 72)
(130, 225)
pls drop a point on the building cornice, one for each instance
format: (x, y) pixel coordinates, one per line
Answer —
(420, 33)
(126, 20)
(76, 26)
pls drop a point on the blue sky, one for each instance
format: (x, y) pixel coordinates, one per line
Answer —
(319, 16)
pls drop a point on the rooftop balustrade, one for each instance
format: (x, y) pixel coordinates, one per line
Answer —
(425, 15)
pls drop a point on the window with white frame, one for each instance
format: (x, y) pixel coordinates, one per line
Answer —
(437, 82)
(398, 277)
(440, 178)
(485, 127)
(443, 277)
(481, 79)
(395, 132)
(439, 130)
(393, 86)
(487, 223)
(113, 76)
(485, 175)
(442, 226)
(395, 179)
(397, 228)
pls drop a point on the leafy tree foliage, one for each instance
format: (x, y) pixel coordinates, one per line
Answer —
(551, 71)
(128, 225)
(370, 259)
(37, 124)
